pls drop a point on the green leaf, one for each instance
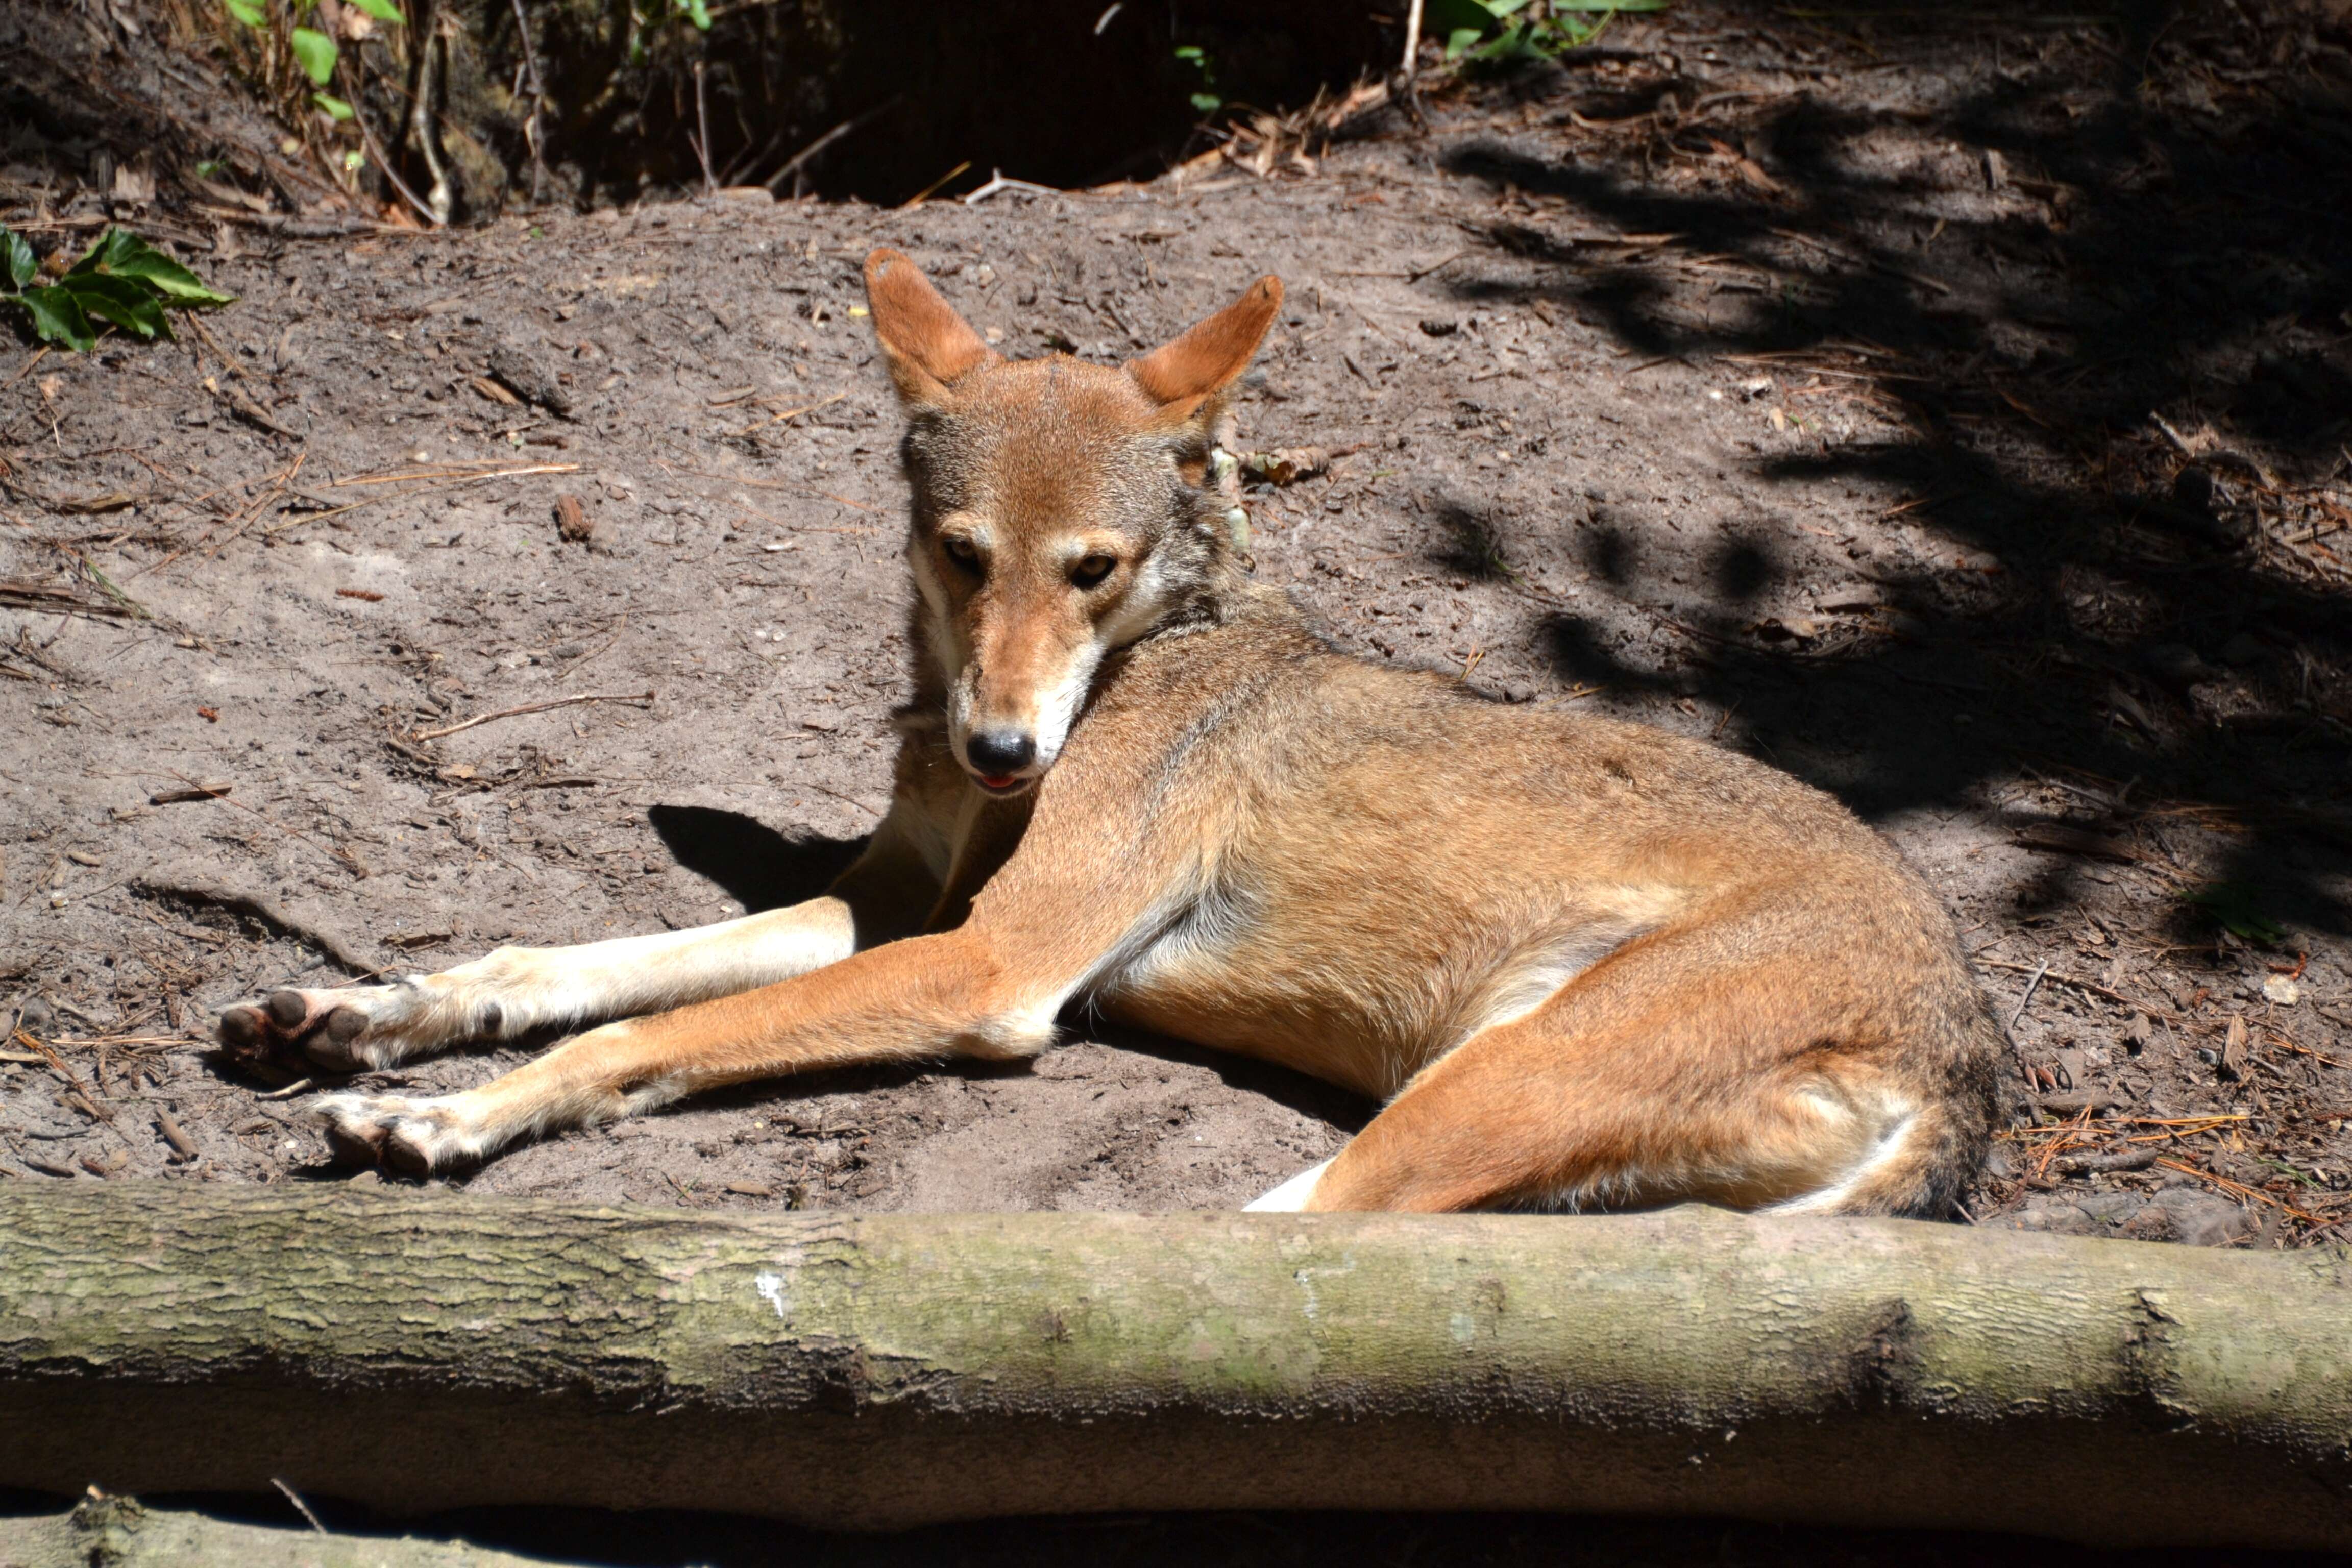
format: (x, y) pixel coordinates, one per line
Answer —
(2232, 906)
(382, 10)
(1611, 4)
(1502, 8)
(335, 108)
(1444, 19)
(1460, 40)
(1207, 102)
(129, 305)
(122, 254)
(354, 161)
(315, 53)
(16, 259)
(699, 13)
(248, 12)
(57, 318)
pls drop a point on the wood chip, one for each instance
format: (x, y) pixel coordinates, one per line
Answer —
(2076, 1103)
(2120, 1160)
(198, 792)
(2233, 1048)
(572, 522)
(182, 1144)
(2058, 838)
(751, 1189)
(495, 393)
(370, 594)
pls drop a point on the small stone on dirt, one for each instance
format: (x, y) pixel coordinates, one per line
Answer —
(530, 380)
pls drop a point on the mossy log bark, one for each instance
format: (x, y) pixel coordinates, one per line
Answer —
(427, 1351)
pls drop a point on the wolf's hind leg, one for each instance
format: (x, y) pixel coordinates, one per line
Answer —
(1711, 1064)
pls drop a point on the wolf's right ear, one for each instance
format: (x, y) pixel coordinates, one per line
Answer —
(927, 345)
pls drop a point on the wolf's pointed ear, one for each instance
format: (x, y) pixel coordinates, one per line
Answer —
(927, 345)
(1182, 374)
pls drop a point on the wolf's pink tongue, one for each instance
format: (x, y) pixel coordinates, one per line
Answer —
(997, 781)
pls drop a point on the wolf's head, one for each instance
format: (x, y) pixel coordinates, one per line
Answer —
(1061, 510)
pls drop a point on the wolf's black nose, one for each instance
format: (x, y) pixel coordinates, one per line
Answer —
(996, 753)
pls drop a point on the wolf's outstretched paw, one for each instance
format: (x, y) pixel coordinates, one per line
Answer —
(411, 1136)
(347, 1029)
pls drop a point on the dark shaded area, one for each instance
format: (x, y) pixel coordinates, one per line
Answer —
(752, 863)
(875, 99)
(2106, 333)
(666, 1540)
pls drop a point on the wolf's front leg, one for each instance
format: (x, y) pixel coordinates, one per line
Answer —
(517, 990)
(919, 999)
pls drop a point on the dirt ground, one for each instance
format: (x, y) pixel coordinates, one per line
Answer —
(1952, 415)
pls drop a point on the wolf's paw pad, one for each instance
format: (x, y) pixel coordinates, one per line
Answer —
(411, 1137)
(348, 1029)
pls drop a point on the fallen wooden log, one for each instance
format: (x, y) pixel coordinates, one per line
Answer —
(427, 1351)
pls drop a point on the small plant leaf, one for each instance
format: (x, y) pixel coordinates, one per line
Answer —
(1447, 17)
(122, 254)
(315, 53)
(129, 305)
(1460, 40)
(248, 12)
(1610, 4)
(382, 10)
(16, 259)
(699, 13)
(332, 107)
(2233, 906)
(56, 318)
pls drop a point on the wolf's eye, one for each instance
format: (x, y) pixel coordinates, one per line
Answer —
(962, 551)
(1093, 569)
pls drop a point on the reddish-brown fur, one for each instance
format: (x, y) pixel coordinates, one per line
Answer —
(1584, 962)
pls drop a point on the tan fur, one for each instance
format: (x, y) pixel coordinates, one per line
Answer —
(1584, 962)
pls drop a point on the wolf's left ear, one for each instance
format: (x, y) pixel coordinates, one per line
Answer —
(1182, 374)
(926, 343)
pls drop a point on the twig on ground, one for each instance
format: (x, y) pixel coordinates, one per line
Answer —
(2024, 1000)
(997, 182)
(460, 474)
(2240, 1190)
(335, 852)
(2079, 984)
(25, 369)
(602, 648)
(787, 414)
(533, 708)
(849, 799)
(57, 1065)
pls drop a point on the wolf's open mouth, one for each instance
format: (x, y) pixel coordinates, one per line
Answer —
(1002, 783)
